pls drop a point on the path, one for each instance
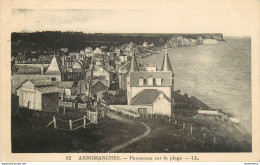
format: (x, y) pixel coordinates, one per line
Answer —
(125, 120)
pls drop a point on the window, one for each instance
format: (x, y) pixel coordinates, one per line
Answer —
(159, 81)
(142, 110)
(141, 81)
(150, 81)
(53, 79)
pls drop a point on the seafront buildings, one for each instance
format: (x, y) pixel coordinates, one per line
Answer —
(86, 74)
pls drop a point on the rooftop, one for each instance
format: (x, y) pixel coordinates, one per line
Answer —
(147, 97)
(165, 76)
(48, 89)
(42, 83)
(64, 84)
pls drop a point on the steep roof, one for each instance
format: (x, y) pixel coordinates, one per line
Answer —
(165, 76)
(147, 97)
(99, 79)
(133, 65)
(166, 65)
(54, 67)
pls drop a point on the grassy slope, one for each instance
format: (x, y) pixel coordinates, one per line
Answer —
(166, 137)
(30, 135)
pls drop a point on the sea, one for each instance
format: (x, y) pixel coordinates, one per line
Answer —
(217, 74)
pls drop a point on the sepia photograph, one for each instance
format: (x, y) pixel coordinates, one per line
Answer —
(123, 80)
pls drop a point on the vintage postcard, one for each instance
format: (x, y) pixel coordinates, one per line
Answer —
(161, 81)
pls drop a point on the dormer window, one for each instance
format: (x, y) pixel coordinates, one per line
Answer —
(141, 81)
(158, 81)
(150, 81)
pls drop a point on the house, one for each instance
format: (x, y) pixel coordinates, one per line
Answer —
(20, 58)
(145, 44)
(97, 51)
(66, 89)
(151, 45)
(123, 58)
(54, 69)
(89, 51)
(102, 72)
(98, 85)
(152, 101)
(51, 72)
(150, 91)
(77, 72)
(39, 95)
(103, 48)
(81, 87)
(118, 51)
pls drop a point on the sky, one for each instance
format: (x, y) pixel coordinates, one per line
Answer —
(229, 19)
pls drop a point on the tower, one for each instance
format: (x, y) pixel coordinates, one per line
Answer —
(133, 68)
(166, 66)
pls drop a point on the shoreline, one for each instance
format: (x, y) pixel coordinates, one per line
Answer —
(246, 128)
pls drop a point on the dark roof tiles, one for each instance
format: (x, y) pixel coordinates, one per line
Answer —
(147, 97)
(48, 89)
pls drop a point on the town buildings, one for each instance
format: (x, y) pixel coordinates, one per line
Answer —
(88, 73)
(39, 95)
(66, 89)
(150, 91)
(51, 72)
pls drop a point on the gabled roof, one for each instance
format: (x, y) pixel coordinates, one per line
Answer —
(147, 97)
(44, 86)
(97, 51)
(99, 79)
(165, 76)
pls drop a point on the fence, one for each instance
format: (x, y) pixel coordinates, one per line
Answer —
(183, 126)
(71, 124)
(124, 109)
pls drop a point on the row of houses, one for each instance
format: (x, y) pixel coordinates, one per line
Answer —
(85, 74)
(74, 75)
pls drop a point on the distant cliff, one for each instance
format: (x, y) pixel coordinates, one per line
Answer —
(41, 42)
(194, 39)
